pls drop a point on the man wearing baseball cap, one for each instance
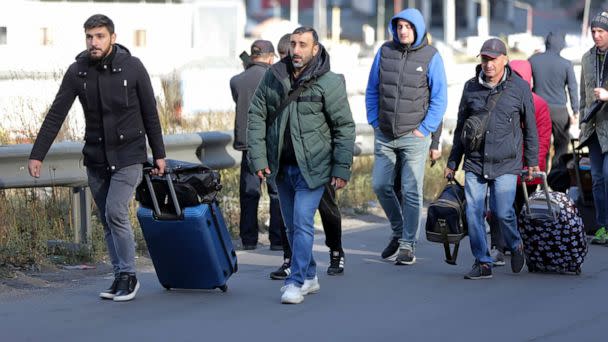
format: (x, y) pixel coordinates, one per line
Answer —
(495, 117)
(243, 87)
(594, 133)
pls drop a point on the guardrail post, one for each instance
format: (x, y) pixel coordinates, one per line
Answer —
(81, 214)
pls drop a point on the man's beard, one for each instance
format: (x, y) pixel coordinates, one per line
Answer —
(99, 57)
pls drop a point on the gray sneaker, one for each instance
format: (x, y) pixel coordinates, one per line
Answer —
(405, 257)
(498, 257)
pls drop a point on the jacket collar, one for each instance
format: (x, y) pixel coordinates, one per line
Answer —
(115, 64)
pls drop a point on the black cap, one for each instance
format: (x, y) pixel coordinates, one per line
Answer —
(260, 47)
(493, 47)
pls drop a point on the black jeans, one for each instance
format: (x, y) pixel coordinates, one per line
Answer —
(250, 193)
(332, 223)
(560, 126)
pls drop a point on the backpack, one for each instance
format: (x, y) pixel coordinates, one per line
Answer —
(194, 184)
(446, 221)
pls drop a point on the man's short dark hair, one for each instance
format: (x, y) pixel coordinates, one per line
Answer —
(304, 29)
(99, 20)
(283, 46)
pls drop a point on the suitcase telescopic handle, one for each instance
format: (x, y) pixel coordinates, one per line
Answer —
(159, 214)
(543, 176)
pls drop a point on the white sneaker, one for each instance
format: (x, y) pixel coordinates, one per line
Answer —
(310, 286)
(291, 294)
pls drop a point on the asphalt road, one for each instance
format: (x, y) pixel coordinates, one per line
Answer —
(373, 301)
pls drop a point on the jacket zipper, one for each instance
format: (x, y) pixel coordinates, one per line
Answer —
(126, 92)
(86, 96)
(404, 54)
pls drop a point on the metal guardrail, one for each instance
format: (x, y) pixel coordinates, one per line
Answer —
(63, 166)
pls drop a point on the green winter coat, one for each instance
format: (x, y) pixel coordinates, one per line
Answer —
(321, 124)
(599, 124)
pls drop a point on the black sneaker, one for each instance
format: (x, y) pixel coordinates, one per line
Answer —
(249, 247)
(391, 249)
(282, 272)
(110, 291)
(336, 263)
(479, 271)
(405, 257)
(276, 247)
(518, 259)
(127, 287)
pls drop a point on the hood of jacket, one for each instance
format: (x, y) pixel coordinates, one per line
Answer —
(555, 42)
(414, 17)
(117, 56)
(318, 66)
(523, 68)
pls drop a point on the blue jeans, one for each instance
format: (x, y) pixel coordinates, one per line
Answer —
(112, 192)
(599, 176)
(298, 206)
(412, 152)
(502, 197)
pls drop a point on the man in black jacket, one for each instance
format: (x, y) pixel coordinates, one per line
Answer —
(116, 95)
(552, 73)
(501, 96)
(243, 87)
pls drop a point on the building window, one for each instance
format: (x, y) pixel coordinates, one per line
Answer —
(140, 38)
(2, 35)
(46, 36)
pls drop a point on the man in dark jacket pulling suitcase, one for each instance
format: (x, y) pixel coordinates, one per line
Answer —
(242, 87)
(501, 96)
(116, 95)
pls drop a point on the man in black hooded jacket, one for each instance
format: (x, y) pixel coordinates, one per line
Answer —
(551, 74)
(116, 95)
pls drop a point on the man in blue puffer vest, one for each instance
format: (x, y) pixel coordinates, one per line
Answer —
(406, 98)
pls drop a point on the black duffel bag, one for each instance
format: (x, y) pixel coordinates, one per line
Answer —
(446, 221)
(194, 184)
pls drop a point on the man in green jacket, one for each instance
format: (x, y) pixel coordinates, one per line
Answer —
(302, 146)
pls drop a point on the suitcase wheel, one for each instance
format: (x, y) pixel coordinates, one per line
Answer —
(578, 271)
(531, 268)
(167, 287)
(224, 288)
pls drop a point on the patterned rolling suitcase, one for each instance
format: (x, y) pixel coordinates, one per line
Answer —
(190, 247)
(552, 232)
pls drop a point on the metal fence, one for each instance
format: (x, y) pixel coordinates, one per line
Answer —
(63, 166)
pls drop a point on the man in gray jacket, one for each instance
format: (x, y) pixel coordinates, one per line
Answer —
(594, 133)
(243, 87)
(552, 74)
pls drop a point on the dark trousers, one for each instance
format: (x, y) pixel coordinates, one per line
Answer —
(249, 197)
(560, 125)
(332, 223)
(496, 238)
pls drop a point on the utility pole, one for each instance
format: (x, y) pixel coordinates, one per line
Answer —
(398, 6)
(320, 18)
(293, 11)
(380, 20)
(585, 24)
(449, 21)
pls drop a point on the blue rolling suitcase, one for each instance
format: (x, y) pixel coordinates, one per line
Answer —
(191, 247)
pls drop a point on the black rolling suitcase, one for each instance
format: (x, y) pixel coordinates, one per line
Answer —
(552, 231)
